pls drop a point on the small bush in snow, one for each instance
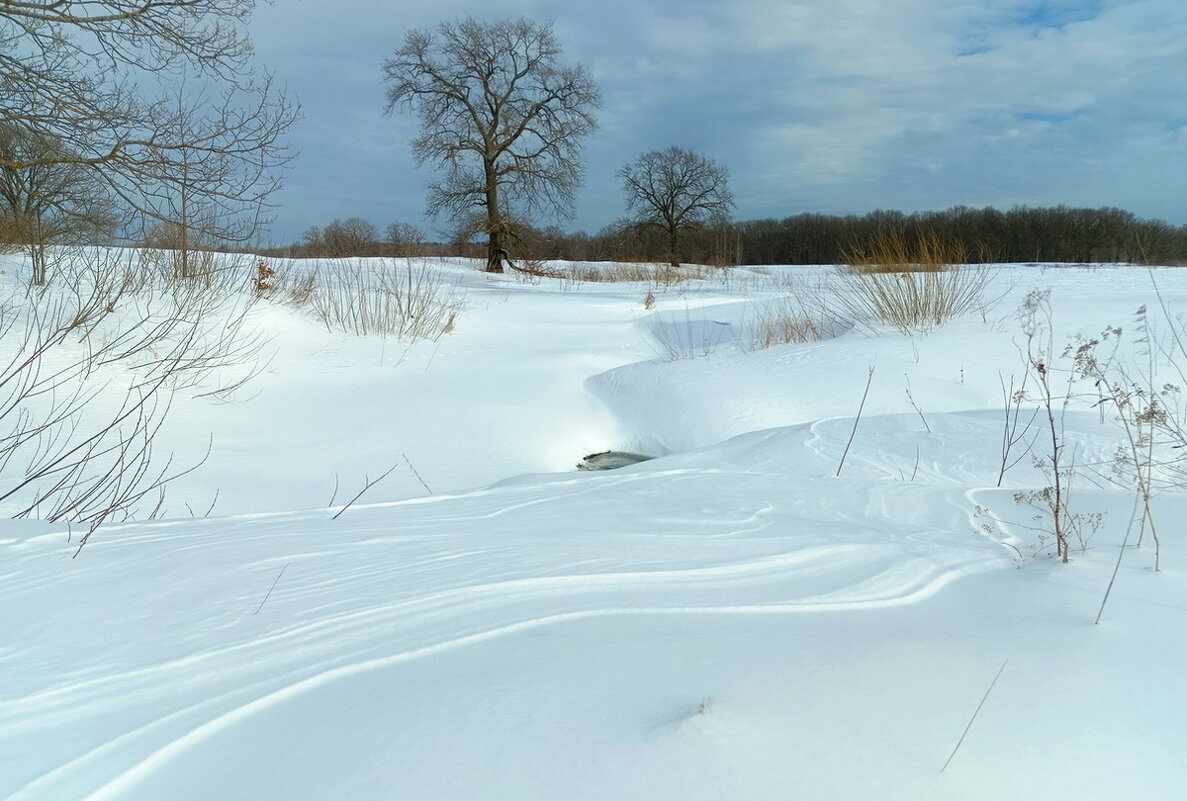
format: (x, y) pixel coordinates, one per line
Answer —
(781, 323)
(403, 298)
(911, 286)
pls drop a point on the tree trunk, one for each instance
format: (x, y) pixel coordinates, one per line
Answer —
(37, 251)
(496, 254)
(183, 264)
(40, 273)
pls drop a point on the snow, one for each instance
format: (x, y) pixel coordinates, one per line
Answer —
(730, 620)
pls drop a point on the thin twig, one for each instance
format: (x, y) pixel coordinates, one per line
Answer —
(269, 593)
(856, 420)
(418, 478)
(1011, 436)
(911, 400)
(213, 501)
(368, 484)
(975, 713)
(1117, 566)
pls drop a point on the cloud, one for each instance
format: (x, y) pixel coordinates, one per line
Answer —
(817, 105)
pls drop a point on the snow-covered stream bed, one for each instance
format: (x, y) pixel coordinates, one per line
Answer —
(732, 620)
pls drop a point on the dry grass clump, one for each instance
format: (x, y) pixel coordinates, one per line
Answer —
(911, 286)
(289, 281)
(894, 253)
(655, 274)
(403, 298)
(658, 275)
(782, 323)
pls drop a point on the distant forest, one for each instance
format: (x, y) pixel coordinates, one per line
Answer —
(1021, 234)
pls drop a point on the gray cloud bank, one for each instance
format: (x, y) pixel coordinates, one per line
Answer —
(833, 106)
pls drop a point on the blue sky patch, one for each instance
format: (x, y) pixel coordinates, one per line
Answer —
(1049, 116)
(1056, 14)
(973, 50)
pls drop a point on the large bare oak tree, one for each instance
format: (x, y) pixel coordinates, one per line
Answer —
(674, 190)
(499, 115)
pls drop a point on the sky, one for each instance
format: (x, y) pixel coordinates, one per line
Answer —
(824, 106)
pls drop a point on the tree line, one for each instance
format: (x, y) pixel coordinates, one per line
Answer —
(1018, 235)
(1021, 234)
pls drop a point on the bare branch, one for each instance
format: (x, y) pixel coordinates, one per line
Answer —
(70, 67)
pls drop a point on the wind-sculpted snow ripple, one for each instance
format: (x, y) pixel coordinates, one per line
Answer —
(753, 528)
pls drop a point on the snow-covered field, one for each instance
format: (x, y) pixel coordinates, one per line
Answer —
(731, 620)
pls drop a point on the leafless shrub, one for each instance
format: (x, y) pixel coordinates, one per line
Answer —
(1171, 347)
(1149, 412)
(1146, 409)
(585, 273)
(660, 275)
(1053, 518)
(1051, 502)
(290, 282)
(93, 371)
(404, 298)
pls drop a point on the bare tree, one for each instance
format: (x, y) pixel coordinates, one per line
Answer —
(340, 238)
(499, 115)
(674, 190)
(70, 68)
(404, 239)
(313, 241)
(49, 202)
(353, 236)
(176, 248)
